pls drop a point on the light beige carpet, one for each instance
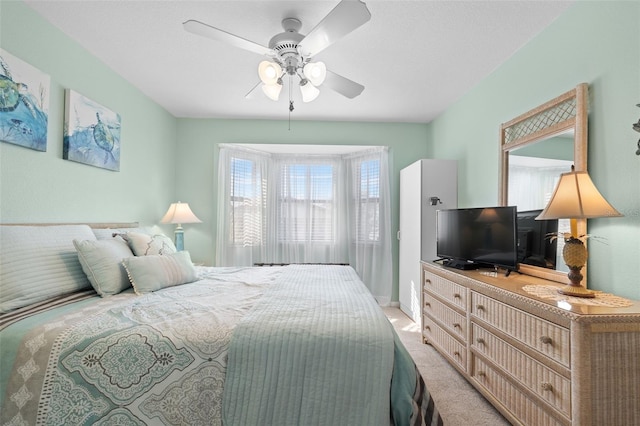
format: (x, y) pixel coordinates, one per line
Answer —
(458, 402)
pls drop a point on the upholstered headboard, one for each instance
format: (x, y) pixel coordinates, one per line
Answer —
(99, 225)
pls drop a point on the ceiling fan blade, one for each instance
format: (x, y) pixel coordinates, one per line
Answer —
(343, 19)
(253, 93)
(342, 85)
(201, 29)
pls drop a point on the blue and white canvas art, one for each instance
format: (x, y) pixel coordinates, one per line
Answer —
(24, 103)
(91, 132)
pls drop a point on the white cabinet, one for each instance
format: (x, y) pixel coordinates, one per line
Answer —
(425, 187)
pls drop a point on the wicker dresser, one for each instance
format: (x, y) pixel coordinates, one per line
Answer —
(539, 361)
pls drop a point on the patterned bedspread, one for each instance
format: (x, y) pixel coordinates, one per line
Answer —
(160, 358)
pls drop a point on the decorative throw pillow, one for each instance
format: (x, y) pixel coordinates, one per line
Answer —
(101, 260)
(145, 245)
(154, 272)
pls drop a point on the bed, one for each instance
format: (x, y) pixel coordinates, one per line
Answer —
(187, 345)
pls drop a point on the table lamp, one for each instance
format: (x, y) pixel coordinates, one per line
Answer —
(179, 213)
(576, 197)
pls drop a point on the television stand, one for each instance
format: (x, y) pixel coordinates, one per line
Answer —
(460, 264)
(509, 271)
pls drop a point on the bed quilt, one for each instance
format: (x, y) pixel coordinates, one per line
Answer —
(299, 357)
(177, 356)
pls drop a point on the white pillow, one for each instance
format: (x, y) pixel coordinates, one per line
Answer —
(101, 260)
(145, 245)
(39, 262)
(154, 272)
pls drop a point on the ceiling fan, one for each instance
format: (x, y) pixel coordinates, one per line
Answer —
(290, 52)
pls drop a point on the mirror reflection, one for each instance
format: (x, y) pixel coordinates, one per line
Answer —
(534, 171)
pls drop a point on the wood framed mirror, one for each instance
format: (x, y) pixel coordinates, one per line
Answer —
(535, 148)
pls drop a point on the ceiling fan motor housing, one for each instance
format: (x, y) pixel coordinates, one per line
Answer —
(285, 45)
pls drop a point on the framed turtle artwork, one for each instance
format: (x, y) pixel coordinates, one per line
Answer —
(91, 132)
(24, 103)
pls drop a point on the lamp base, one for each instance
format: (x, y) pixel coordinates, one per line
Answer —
(575, 253)
(576, 291)
(178, 235)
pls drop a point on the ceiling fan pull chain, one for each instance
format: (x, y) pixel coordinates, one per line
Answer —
(290, 102)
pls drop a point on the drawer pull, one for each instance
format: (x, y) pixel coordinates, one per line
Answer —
(456, 353)
(480, 341)
(427, 281)
(480, 307)
(456, 325)
(481, 374)
(426, 327)
(457, 296)
(427, 304)
(546, 340)
(547, 386)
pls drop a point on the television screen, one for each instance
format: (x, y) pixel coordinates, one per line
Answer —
(534, 246)
(475, 237)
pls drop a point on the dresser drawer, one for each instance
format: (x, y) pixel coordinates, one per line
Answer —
(541, 380)
(443, 341)
(547, 338)
(447, 290)
(527, 410)
(451, 320)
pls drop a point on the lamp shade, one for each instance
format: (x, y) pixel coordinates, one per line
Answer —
(269, 72)
(315, 72)
(576, 197)
(309, 91)
(272, 91)
(180, 213)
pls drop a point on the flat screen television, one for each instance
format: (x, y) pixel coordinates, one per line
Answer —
(477, 237)
(534, 245)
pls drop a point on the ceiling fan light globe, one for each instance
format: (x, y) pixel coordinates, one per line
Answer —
(315, 72)
(269, 72)
(309, 91)
(272, 91)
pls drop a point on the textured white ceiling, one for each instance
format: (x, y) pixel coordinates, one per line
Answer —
(415, 58)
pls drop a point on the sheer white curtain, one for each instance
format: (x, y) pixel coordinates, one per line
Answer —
(369, 216)
(531, 187)
(276, 208)
(307, 210)
(242, 206)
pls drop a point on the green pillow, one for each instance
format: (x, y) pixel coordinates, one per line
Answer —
(154, 272)
(101, 261)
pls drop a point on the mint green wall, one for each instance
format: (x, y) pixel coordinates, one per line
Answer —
(41, 186)
(593, 42)
(197, 162)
